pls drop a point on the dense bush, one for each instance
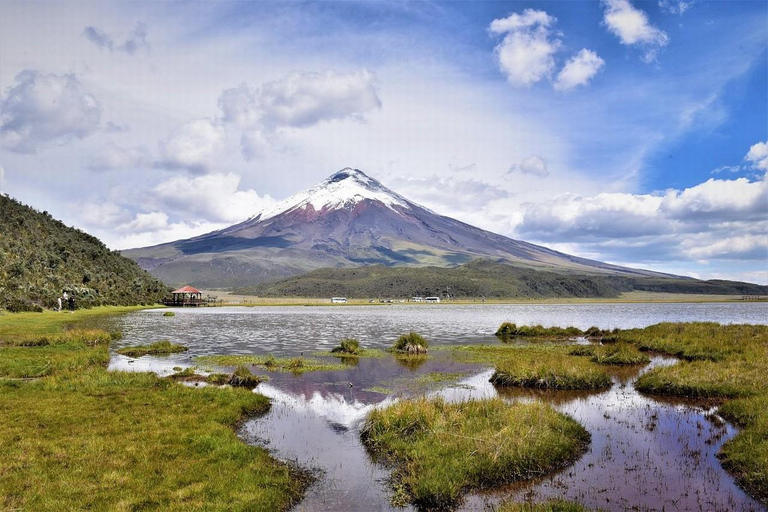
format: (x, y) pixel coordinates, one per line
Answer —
(40, 258)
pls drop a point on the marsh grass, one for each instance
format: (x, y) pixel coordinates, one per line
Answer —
(545, 367)
(547, 506)
(271, 363)
(507, 331)
(719, 361)
(440, 451)
(80, 437)
(746, 455)
(169, 313)
(618, 354)
(347, 346)
(243, 378)
(411, 343)
(159, 348)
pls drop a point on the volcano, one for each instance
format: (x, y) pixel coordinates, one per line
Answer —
(348, 220)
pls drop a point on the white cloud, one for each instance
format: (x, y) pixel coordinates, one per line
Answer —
(240, 105)
(146, 222)
(102, 214)
(253, 144)
(632, 27)
(579, 70)
(717, 219)
(526, 54)
(738, 199)
(305, 99)
(675, 6)
(210, 198)
(534, 165)
(135, 41)
(114, 157)
(192, 146)
(758, 155)
(41, 109)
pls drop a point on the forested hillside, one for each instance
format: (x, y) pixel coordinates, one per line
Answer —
(481, 278)
(40, 258)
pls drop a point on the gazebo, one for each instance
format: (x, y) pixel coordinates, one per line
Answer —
(186, 296)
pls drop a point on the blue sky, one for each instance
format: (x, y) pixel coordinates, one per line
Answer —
(625, 131)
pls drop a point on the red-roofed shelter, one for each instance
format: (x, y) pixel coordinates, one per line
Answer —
(186, 296)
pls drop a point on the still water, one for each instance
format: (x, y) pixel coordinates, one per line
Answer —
(646, 453)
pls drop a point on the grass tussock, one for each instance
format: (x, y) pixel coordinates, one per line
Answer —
(243, 378)
(169, 313)
(529, 367)
(271, 363)
(440, 450)
(411, 343)
(347, 346)
(140, 441)
(159, 348)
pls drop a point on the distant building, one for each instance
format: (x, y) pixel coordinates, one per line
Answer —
(339, 300)
(432, 299)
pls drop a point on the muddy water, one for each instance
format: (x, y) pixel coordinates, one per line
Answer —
(645, 454)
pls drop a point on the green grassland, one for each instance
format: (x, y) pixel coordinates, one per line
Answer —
(271, 363)
(74, 436)
(439, 450)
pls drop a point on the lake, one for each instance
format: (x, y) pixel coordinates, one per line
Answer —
(646, 452)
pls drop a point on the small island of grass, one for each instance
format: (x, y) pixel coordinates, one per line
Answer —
(159, 348)
(440, 450)
(411, 343)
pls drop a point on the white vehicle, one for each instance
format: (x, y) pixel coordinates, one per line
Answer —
(339, 300)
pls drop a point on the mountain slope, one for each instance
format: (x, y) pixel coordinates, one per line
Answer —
(40, 258)
(348, 220)
(480, 278)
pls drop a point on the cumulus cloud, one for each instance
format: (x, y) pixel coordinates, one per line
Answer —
(41, 109)
(758, 156)
(102, 214)
(210, 198)
(449, 193)
(115, 157)
(300, 100)
(305, 99)
(632, 27)
(690, 224)
(579, 70)
(146, 222)
(526, 54)
(192, 146)
(534, 165)
(136, 41)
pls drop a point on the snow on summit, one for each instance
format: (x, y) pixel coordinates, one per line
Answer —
(343, 189)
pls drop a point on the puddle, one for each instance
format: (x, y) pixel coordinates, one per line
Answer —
(646, 454)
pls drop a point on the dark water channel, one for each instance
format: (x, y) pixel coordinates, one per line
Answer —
(646, 453)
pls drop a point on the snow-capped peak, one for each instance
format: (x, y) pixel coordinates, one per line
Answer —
(343, 189)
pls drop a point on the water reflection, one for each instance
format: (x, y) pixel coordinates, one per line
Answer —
(645, 454)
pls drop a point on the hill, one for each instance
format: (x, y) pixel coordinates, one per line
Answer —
(481, 278)
(348, 220)
(40, 258)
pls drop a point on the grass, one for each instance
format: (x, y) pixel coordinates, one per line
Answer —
(440, 451)
(271, 363)
(79, 437)
(547, 506)
(549, 369)
(411, 343)
(159, 348)
(613, 354)
(169, 313)
(347, 346)
(746, 455)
